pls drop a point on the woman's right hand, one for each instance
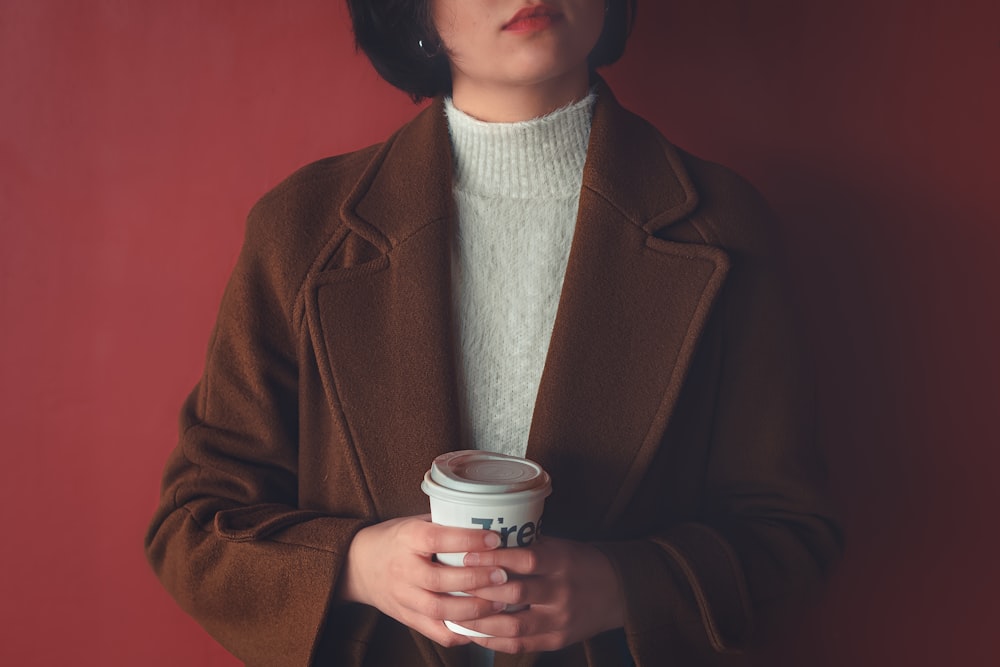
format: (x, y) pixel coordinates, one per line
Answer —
(390, 566)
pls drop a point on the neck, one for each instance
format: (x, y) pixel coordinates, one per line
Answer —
(505, 103)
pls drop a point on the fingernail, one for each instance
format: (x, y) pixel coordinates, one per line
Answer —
(491, 540)
(471, 558)
(499, 606)
(498, 576)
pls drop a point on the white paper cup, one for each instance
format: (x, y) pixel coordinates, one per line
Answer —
(476, 489)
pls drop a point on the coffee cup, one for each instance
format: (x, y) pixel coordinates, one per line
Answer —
(490, 491)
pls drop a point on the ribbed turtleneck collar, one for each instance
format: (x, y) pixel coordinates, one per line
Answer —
(542, 157)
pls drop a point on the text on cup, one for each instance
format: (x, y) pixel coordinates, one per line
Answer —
(524, 534)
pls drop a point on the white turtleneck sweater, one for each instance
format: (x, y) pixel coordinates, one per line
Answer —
(517, 190)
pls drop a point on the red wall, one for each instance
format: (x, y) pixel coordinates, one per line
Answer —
(135, 136)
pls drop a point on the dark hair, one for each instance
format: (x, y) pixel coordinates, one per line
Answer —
(399, 38)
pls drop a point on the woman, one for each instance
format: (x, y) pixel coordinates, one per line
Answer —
(525, 267)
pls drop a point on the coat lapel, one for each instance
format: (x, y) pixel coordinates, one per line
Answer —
(630, 313)
(385, 326)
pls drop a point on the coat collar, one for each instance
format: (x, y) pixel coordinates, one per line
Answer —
(629, 316)
(632, 167)
(629, 164)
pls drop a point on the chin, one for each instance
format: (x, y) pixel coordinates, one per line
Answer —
(541, 69)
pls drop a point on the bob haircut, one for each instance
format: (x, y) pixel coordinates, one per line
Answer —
(399, 38)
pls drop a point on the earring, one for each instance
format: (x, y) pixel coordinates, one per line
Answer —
(430, 50)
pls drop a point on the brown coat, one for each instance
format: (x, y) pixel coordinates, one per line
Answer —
(674, 414)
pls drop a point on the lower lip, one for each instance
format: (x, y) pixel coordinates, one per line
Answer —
(532, 23)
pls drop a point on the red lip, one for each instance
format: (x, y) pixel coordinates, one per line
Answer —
(534, 17)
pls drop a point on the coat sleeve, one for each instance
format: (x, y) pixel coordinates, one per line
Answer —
(764, 537)
(228, 539)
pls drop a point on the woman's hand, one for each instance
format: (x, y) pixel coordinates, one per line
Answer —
(390, 567)
(572, 588)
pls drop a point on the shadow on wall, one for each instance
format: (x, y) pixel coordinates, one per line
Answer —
(892, 278)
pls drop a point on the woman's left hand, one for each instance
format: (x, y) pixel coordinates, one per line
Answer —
(572, 590)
